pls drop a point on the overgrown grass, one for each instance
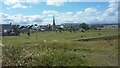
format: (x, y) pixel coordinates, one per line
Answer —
(56, 49)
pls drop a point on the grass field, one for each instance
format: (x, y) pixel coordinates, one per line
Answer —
(59, 49)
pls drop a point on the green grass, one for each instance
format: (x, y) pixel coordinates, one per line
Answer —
(56, 49)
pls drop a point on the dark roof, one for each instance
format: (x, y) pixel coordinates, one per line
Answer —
(4, 24)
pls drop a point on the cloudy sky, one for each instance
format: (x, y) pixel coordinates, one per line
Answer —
(26, 12)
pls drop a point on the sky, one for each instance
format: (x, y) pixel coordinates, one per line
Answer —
(28, 12)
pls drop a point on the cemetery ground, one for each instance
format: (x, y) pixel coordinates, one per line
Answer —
(59, 49)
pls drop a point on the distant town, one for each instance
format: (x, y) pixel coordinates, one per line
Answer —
(15, 30)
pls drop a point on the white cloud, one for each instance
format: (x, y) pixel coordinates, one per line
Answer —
(55, 2)
(0, 18)
(79, 13)
(70, 17)
(49, 12)
(112, 9)
(18, 5)
(32, 1)
(46, 21)
(110, 12)
(51, 2)
(113, 5)
(113, 0)
(69, 13)
(20, 19)
(91, 11)
(88, 12)
(11, 2)
(8, 8)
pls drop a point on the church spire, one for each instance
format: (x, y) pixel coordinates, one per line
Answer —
(53, 21)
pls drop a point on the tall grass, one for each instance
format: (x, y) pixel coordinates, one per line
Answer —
(56, 49)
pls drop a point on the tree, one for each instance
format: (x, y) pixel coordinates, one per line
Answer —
(84, 26)
(93, 27)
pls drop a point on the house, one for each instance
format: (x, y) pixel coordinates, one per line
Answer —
(59, 27)
(104, 26)
(71, 25)
(6, 27)
(9, 30)
(110, 26)
(45, 28)
(35, 28)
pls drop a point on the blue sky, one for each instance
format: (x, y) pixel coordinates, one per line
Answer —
(68, 6)
(65, 12)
